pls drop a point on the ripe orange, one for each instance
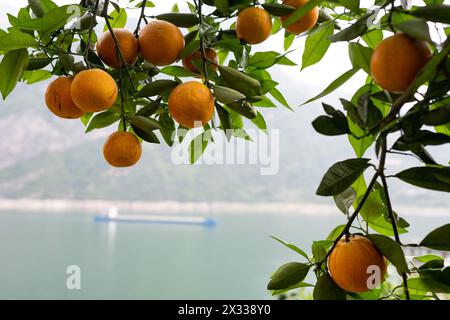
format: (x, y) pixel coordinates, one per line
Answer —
(397, 60)
(122, 149)
(94, 90)
(128, 44)
(59, 100)
(349, 262)
(253, 25)
(197, 57)
(161, 42)
(191, 102)
(306, 23)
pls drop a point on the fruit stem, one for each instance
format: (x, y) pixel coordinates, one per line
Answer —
(352, 218)
(383, 138)
(142, 16)
(116, 43)
(198, 4)
(91, 29)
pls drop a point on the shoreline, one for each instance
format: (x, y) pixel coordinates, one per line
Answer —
(101, 206)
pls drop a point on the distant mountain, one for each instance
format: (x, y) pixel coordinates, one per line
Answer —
(42, 156)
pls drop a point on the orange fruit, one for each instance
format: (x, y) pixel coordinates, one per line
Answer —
(122, 149)
(191, 102)
(128, 44)
(306, 23)
(349, 262)
(253, 25)
(94, 90)
(197, 57)
(59, 100)
(161, 42)
(397, 60)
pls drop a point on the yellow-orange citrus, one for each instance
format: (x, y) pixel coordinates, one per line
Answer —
(197, 57)
(191, 103)
(306, 23)
(122, 149)
(253, 25)
(128, 44)
(161, 42)
(94, 90)
(59, 100)
(397, 60)
(350, 260)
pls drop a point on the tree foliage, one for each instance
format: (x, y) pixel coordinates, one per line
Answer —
(46, 39)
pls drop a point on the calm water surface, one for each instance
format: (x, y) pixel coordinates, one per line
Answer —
(232, 260)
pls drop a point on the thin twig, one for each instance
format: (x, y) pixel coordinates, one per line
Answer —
(389, 206)
(198, 4)
(91, 30)
(141, 17)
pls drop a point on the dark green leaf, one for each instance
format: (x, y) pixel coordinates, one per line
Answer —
(240, 81)
(278, 9)
(102, 120)
(326, 289)
(438, 239)
(288, 275)
(12, 66)
(391, 250)
(144, 123)
(157, 87)
(292, 247)
(149, 109)
(334, 85)
(434, 12)
(415, 28)
(183, 20)
(360, 56)
(433, 178)
(341, 175)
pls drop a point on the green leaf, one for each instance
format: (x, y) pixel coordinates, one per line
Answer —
(37, 8)
(352, 32)
(319, 249)
(428, 285)
(183, 20)
(335, 123)
(280, 98)
(278, 9)
(360, 56)
(177, 71)
(317, 44)
(345, 199)
(434, 12)
(438, 239)
(288, 275)
(260, 122)
(433, 178)
(373, 37)
(352, 5)
(334, 85)
(198, 146)
(16, 40)
(37, 76)
(227, 95)
(391, 250)
(51, 21)
(296, 286)
(415, 28)
(300, 12)
(288, 40)
(264, 60)
(102, 120)
(335, 233)
(341, 175)
(148, 136)
(327, 289)
(427, 258)
(157, 87)
(119, 19)
(292, 247)
(149, 109)
(240, 81)
(167, 128)
(144, 123)
(11, 68)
